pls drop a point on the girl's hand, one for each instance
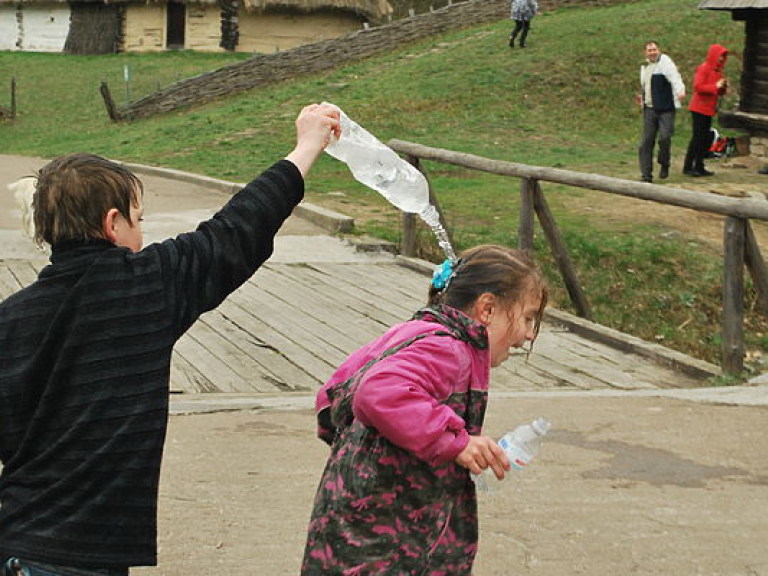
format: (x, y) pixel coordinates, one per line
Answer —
(482, 452)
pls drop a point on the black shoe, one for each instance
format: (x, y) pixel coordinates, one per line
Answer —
(522, 45)
(705, 172)
(648, 179)
(664, 172)
(694, 173)
(763, 170)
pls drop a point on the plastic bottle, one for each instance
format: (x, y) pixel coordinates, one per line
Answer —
(380, 168)
(521, 446)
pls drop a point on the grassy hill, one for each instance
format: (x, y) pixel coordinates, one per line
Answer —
(566, 101)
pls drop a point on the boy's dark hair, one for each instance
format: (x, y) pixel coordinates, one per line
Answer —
(507, 273)
(75, 191)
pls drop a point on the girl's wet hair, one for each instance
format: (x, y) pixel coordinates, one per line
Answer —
(509, 274)
(75, 191)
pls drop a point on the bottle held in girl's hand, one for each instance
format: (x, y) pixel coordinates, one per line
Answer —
(521, 446)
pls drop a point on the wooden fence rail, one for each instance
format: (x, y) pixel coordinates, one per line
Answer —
(740, 246)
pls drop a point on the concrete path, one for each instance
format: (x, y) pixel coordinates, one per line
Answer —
(628, 483)
(174, 202)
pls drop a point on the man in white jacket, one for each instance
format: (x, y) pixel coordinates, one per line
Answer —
(661, 92)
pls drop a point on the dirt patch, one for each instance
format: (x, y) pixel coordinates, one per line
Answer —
(735, 178)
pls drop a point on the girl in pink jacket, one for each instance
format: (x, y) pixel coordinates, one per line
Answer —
(708, 85)
(403, 416)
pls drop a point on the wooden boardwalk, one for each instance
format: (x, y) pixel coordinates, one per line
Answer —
(287, 328)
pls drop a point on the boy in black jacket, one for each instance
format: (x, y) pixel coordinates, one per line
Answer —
(85, 353)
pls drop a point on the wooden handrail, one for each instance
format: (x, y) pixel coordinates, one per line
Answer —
(701, 201)
(740, 247)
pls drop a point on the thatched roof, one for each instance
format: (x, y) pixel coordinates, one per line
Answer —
(732, 4)
(373, 9)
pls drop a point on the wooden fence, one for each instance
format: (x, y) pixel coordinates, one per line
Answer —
(10, 112)
(740, 245)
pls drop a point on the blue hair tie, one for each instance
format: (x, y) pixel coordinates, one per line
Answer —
(443, 274)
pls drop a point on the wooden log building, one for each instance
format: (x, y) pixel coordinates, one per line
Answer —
(751, 116)
(102, 27)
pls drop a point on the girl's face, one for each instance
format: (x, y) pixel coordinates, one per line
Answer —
(511, 328)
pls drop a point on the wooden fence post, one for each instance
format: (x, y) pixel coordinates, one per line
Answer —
(408, 241)
(560, 253)
(112, 112)
(408, 220)
(734, 236)
(408, 247)
(13, 97)
(757, 269)
(525, 228)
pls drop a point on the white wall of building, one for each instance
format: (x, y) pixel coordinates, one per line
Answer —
(9, 28)
(44, 28)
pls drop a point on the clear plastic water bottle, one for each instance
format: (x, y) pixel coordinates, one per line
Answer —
(379, 167)
(521, 446)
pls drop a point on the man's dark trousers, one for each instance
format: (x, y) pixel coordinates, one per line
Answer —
(661, 124)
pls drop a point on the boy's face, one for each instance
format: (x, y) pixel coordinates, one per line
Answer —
(127, 235)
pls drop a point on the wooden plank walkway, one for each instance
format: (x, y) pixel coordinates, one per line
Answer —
(287, 329)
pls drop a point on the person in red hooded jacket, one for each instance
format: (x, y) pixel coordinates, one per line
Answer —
(708, 85)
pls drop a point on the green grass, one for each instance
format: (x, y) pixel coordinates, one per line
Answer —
(566, 101)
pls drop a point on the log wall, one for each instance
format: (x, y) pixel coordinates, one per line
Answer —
(144, 28)
(273, 31)
(754, 78)
(203, 28)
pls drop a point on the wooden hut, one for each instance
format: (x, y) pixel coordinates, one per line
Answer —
(752, 113)
(98, 26)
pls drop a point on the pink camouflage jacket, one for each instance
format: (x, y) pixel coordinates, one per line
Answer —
(391, 499)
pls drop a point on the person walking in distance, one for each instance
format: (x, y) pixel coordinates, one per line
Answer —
(403, 416)
(708, 85)
(661, 92)
(85, 353)
(523, 12)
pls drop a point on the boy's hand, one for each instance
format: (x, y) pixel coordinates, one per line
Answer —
(482, 452)
(315, 126)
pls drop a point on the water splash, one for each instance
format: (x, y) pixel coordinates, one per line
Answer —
(432, 219)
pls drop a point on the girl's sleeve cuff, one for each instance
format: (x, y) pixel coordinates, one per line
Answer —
(450, 446)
